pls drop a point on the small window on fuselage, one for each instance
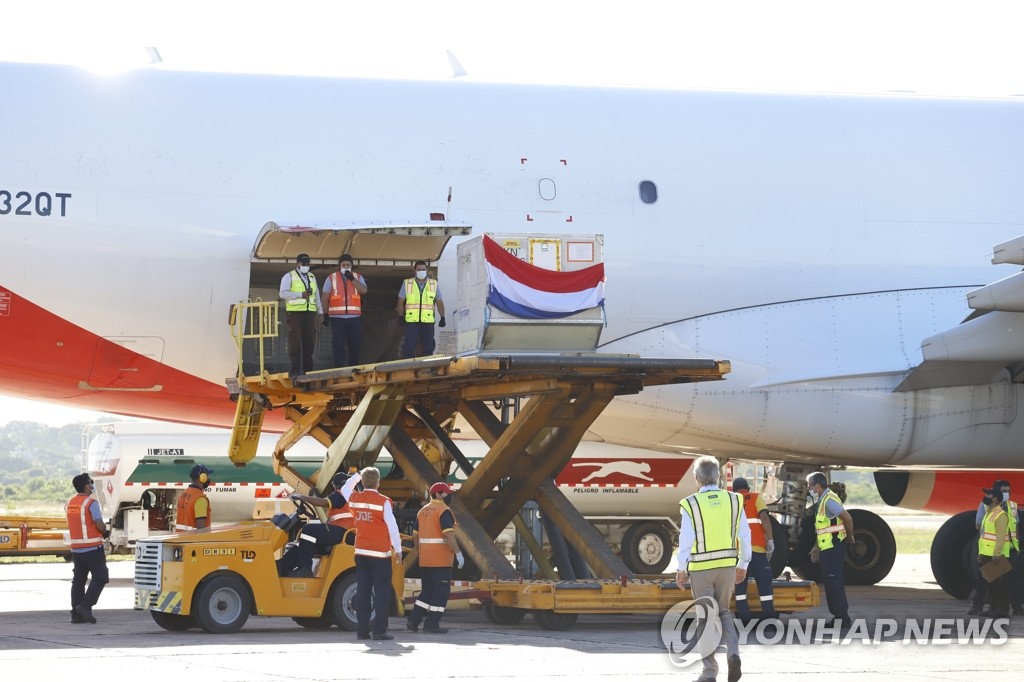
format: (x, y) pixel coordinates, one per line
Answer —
(648, 192)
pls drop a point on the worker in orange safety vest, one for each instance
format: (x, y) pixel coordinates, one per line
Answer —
(762, 545)
(86, 530)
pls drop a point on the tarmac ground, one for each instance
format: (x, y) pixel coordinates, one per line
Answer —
(37, 639)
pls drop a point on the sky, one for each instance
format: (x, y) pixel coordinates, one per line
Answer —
(933, 48)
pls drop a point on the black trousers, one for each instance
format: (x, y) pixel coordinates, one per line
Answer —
(999, 591)
(93, 562)
(313, 537)
(760, 571)
(301, 341)
(832, 562)
(421, 333)
(373, 593)
(433, 599)
(346, 340)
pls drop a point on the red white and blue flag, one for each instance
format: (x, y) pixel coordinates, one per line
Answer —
(524, 290)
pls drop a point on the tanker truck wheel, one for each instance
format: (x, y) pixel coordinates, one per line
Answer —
(646, 548)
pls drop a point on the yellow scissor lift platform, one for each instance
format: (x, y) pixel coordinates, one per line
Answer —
(355, 411)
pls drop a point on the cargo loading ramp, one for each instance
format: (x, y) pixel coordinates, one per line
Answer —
(355, 411)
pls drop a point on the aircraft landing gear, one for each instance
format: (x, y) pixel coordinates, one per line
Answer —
(954, 553)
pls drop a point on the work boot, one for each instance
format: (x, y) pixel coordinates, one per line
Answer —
(734, 668)
(85, 613)
(383, 635)
(412, 626)
(75, 618)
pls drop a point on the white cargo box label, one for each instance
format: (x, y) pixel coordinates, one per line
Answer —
(530, 292)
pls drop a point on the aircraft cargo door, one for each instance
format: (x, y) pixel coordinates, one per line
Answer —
(383, 254)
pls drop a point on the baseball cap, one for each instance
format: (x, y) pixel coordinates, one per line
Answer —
(740, 484)
(302, 258)
(441, 489)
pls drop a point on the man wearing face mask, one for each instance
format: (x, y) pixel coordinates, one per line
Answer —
(343, 301)
(416, 301)
(1015, 586)
(86, 530)
(833, 526)
(993, 541)
(302, 303)
(434, 537)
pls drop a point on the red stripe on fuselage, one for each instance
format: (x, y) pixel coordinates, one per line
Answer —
(957, 491)
(48, 358)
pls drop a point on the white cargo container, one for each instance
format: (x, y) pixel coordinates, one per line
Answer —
(483, 327)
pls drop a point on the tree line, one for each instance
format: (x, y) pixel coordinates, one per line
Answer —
(38, 461)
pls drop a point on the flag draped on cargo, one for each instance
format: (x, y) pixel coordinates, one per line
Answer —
(524, 290)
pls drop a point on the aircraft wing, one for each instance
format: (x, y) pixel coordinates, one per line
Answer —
(988, 346)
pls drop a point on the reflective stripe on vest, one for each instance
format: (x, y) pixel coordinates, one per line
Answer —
(434, 551)
(1011, 523)
(988, 537)
(372, 536)
(299, 305)
(81, 526)
(715, 515)
(341, 517)
(757, 538)
(419, 309)
(344, 299)
(825, 526)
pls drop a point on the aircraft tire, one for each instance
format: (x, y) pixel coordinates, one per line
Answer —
(953, 553)
(780, 557)
(872, 552)
(646, 548)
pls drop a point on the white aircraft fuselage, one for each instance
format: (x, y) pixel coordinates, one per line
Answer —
(815, 241)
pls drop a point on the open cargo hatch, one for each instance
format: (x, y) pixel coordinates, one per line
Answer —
(384, 255)
(369, 245)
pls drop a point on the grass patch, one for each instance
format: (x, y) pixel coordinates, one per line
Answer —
(914, 540)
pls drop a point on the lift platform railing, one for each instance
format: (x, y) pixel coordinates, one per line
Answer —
(253, 320)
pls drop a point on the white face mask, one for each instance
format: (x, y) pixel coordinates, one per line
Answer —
(346, 268)
(421, 274)
(303, 269)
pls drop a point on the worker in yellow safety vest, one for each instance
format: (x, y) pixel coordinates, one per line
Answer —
(416, 301)
(302, 303)
(993, 541)
(833, 525)
(714, 550)
(1016, 581)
